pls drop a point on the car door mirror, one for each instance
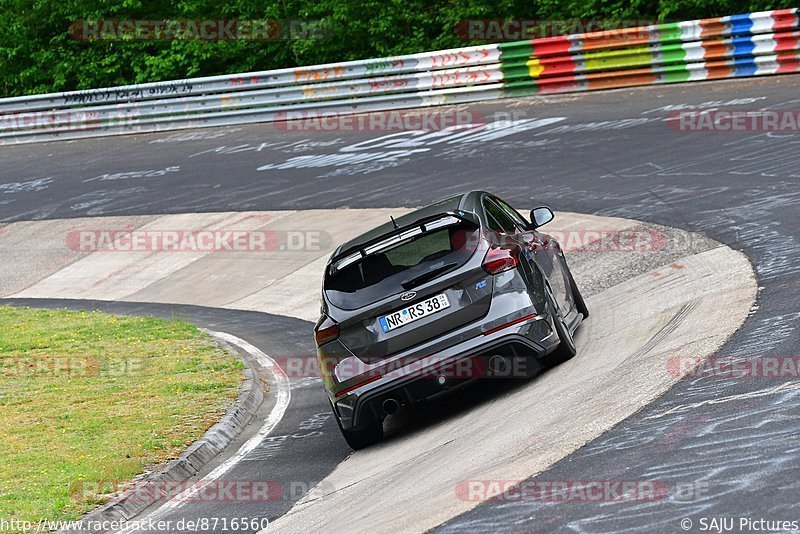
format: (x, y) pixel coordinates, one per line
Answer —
(541, 216)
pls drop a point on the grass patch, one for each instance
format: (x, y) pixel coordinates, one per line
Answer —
(88, 399)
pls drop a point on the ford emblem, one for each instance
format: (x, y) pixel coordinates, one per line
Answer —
(408, 296)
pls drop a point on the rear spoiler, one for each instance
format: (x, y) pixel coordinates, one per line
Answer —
(418, 227)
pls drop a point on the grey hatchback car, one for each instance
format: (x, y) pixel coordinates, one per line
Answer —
(465, 288)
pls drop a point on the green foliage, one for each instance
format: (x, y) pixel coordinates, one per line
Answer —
(39, 54)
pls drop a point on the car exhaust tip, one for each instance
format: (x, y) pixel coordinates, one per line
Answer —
(390, 406)
(498, 364)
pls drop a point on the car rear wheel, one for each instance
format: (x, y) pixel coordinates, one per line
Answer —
(566, 348)
(580, 304)
(361, 438)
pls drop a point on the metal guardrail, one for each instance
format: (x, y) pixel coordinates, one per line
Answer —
(740, 45)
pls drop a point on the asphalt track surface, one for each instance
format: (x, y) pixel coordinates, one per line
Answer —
(732, 443)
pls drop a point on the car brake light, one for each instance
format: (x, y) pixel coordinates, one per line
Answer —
(326, 331)
(512, 323)
(500, 259)
(347, 390)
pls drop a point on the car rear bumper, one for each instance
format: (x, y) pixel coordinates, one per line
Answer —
(521, 346)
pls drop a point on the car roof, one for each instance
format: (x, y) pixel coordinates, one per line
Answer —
(468, 202)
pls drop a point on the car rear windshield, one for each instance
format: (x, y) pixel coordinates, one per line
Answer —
(411, 262)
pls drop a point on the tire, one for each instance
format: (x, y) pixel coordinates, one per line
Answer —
(566, 347)
(361, 438)
(580, 304)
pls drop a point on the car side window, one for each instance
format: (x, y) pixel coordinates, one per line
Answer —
(513, 214)
(499, 221)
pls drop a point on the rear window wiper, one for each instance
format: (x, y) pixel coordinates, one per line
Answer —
(424, 277)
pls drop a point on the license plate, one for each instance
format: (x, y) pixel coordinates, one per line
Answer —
(413, 313)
